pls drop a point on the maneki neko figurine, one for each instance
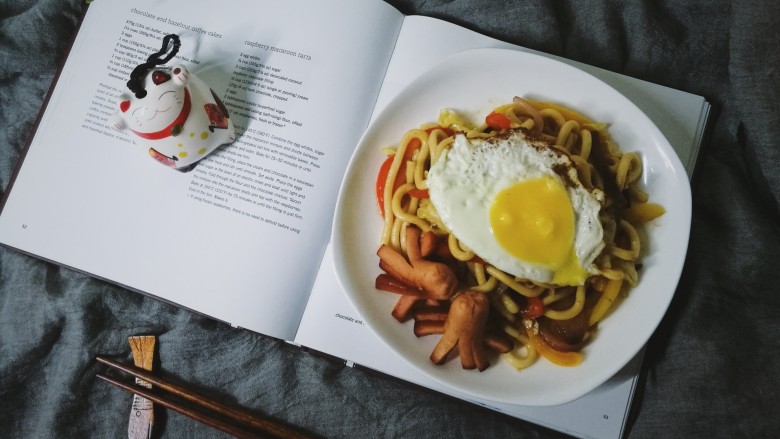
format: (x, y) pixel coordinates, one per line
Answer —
(174, 113)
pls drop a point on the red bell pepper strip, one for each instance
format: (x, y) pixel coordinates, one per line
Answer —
(534, 308)
(381, 178)
(400, 178)
(413, 145)
(498, 121)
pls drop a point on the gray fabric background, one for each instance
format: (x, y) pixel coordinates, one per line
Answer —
(710, 369)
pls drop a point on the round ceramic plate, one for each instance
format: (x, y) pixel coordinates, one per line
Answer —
(473, 83)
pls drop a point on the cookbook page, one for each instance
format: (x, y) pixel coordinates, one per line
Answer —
(240, 236)
(332, 325)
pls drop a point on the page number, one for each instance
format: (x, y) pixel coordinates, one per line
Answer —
(24, 226)
(605, 416)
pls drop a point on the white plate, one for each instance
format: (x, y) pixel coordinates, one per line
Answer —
(474, 82)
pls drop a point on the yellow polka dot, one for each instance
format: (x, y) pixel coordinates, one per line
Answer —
(204, 134)
(192, 134)
(180, 145)
(182, 154)
(202, 151)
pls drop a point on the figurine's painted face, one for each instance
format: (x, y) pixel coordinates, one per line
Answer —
(164, 107)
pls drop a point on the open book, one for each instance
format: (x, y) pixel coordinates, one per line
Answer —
(244, 236)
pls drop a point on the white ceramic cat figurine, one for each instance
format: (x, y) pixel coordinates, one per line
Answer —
(178, 117)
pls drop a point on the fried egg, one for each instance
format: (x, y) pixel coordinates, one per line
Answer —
(518, 204)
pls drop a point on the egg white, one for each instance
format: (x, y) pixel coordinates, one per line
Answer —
(465, 180)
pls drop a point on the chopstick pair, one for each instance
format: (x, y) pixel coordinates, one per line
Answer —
(233, 421)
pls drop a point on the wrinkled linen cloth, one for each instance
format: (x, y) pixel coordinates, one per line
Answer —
(709, 370)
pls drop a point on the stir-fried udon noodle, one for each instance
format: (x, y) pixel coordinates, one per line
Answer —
(450, 290)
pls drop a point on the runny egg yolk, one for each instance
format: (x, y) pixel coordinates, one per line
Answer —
(534, 221)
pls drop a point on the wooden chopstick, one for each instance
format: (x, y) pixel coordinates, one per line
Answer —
(243, 425)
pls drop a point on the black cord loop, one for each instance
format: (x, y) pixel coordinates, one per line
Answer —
(135, 84)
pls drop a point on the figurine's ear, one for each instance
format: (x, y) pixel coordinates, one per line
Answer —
(124, 102)
(180, 74)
